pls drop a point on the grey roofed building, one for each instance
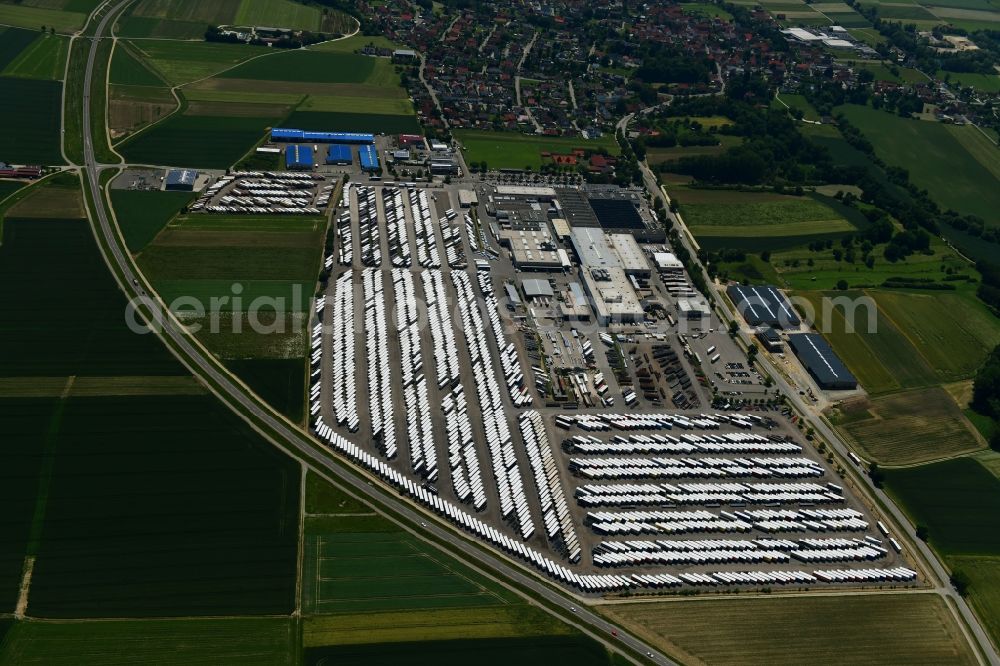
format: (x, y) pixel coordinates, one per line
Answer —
(592, 248)
(763, 306)
(536, 288)
(821, 363)
(180, 179)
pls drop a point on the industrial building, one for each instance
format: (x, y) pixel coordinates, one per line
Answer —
(770, 338)
(763, 306)
(368, 157)
(821, 363)
(632, 258)
(300, 136)
(667, 263)
(562, 229)
(299, 158)
(592, 248)
(693, 308)
(575, 306)
(531, 249)
(617, 214)
(612, 296)
(180, 180)
(468, 198)
(527, 191)
(444, 168)
(534, 288)
(339, 153)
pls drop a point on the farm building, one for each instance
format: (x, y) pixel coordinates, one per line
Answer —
(821, 363)
(763, 306)
(301, 136)
(369, 159)
(299, 158)
(181, 180)
(339, 153)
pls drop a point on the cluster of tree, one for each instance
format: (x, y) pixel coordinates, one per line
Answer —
(989, 286)
(986, 392)
(680, 132)
(972, 225)
(664, 65)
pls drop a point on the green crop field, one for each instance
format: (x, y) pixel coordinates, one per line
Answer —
(349, 105)
(934, 158)
(984, 592)
(326, 498)
(183, 62)
(8, 187)
(861, 629)
(979, 145)
(910, 428)
(307, 66)
(141, 215)
(44, 58)
(353, 122)
(13, 41)
(989, 83)
(24, 16)
(357, 42)
(31, 117)
(194, 642)
(796, 102)
(280, 13)
(129, 71)
(510, 150)
(750, 216)
(35, 258)
(957, 500)
(487, 652)
(281, 382)
(209, 528)
(208, 142)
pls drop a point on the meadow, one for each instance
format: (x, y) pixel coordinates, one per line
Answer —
(180, 642)
(209, 528)
(23, 15)
(31, 117)
(989, 83)
(307, 66)
(935, 160)
(984, 589)
(909, 428)
(142, 215)
(796, 102)
(353, 122)
(44, 58)
(957, 500)
(858, 629)
(127, 70)
(761, 215)
(183, 62)
(510, 150)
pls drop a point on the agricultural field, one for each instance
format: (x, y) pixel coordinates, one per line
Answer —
(25, 15)
(984, 589)
(509, 150)
(908, 428)
(487, 652)
(356, 43)
(855, 629)
(183, 62)
(142, 215)
(35, 258)
(56, 197)
(796, 102)
(353, 122)
(210, 527)
(311, 67)
(181, 642)
(957, 500)
(44, 58)
(936, 160)
(706, 9)
(131, 108)
(281, 382)
(31, 117)
(8, 187)
(989, 83)
(13, 41)
(127, 70)
(656, 156)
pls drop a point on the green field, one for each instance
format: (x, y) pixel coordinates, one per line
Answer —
(796, 102)
(35, 258)
(195, 642)
(13, 41)
(509, 150)
(756, 216)
(200, 141)
(31, 116)
(281, 13)
(706, 9)
(989, 83)
(909, 428)
(183, 62)
(353, 122)
(488, 652)
(861, 629)
(127, 70)
(957, 500)
(44, 58)
(141, 215)
(984, 594)
(308, 66)
(936, 161)
(280, 382)
(23, 16)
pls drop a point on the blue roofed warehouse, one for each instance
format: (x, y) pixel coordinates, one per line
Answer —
(299, 158)
(369, 159)
(339, 153)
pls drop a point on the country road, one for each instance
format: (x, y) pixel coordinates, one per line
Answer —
(299, 443)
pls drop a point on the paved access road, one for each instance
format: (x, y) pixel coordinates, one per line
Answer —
(293, 440)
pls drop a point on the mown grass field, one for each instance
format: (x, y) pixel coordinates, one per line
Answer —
(760, 215)
(310, 66)
(865, 629)
(796, 102)
(183, 62)
(909, 428)
(936, 161)
(488, 652)
(141, 215)
(510, 150)
(35, 258)
(25, 16)
(988, 83)
(44, 58)
(209, 528)
(194, 642)
(957, 500)
(31, 118)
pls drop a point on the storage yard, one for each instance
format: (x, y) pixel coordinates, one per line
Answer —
(582, 414)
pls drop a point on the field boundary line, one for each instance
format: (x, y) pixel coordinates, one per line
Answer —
(456, 573)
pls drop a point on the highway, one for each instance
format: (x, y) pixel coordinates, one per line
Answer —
(299, 443)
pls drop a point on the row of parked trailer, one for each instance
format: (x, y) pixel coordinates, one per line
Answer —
(609, 421)
(734, 494)
(343, 385)
(395, 225)
(368, 227)
(500, 444)
(381, 404)
(509, 362)
(704, 468)
(680, 521)
(453, 252)
(555, 510)
(423, 230)
(722, 443)
(262, 193)
(419, 432)
(734, 551)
